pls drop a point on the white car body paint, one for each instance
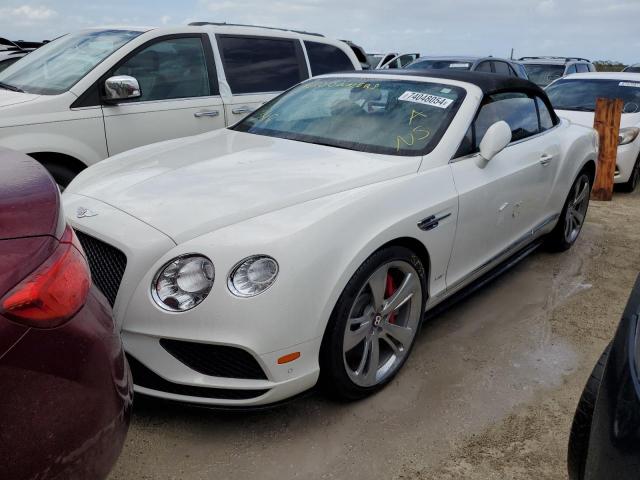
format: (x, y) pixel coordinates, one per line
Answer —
(320, 212)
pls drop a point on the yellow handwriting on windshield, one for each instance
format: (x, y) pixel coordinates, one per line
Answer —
(415, 114)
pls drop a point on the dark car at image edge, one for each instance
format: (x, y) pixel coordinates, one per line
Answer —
(66, 387)
(605, 436)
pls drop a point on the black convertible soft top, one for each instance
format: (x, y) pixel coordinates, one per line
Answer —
(489, 83)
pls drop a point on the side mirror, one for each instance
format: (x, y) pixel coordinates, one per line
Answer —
(121, 87)
(495, 140)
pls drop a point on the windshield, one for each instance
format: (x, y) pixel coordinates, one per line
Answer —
(581, 95)
(394, 117)
(633, 69)
(441, 65)
(57, 66)
(542, 75)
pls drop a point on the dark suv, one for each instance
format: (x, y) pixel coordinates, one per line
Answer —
(544, 70)
(499, 66)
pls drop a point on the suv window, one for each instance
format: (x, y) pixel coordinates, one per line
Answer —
(484, 67)
(259, 64)
(571, 69)
(582, 67)
(517, 109)
(325, 58)
(173, 68)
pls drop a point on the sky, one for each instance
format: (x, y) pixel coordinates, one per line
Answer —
(595, 29)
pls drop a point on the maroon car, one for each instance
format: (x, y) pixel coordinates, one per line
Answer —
(65, 387)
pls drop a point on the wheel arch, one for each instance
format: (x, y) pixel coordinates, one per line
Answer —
(417, 247)
(61, 159)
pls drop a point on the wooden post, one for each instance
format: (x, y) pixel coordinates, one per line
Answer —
(607, 123)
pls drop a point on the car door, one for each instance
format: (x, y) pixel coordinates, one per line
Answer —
(257, 68)
(179, 93)
(499, 200)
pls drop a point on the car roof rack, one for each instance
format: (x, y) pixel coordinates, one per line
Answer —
(224, 24)
(566, 59)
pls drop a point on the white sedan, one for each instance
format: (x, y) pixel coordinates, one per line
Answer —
(305, 243)
(574, 97)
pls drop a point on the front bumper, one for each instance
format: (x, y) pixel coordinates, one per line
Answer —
(264, 327)
(158, 373)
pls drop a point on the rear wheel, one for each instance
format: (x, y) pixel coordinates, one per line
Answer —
(374, 324)
(569, 226)
(581, 427)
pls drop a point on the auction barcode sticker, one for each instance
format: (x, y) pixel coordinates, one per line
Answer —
(426, 99)
(629, 84)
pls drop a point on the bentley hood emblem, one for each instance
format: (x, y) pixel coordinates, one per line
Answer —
(82, 212)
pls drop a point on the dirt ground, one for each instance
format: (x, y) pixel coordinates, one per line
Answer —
(488, 393)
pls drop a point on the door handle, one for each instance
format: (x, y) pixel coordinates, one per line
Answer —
(210, 113)
(545, 159)
(242, 110)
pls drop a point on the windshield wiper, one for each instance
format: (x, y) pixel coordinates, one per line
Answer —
(6, 86)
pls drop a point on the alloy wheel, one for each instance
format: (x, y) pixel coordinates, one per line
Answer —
(577, 208)
(382, 323)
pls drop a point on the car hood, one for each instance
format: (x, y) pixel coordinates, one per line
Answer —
(587, 118)
(7, 97)
(195, 185)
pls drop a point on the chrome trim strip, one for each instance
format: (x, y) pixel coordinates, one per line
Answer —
(513, 248)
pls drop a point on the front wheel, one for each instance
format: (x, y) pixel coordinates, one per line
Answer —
(572, 218)
(374, 324)
(634, 179)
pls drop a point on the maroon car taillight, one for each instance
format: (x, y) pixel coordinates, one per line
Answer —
(55, 291)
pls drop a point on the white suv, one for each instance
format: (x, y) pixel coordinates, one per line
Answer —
(98, 92)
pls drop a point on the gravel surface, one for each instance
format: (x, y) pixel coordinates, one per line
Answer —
(488, 393)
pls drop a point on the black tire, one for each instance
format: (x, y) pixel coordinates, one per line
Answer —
(557, 240)
(334, 378)
(634, 179)
(581, 427)
(61, 174)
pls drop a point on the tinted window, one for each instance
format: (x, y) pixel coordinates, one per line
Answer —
(546, 120)
(582, 68)
(254, 64)
(174, 68)
(325, 58)
(571, 69)
(484, 67)
(394, 117)
(503, 69)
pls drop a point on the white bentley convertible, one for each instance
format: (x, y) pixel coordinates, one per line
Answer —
(305, 243)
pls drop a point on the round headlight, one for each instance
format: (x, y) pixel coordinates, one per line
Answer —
(253, 275)
(183, 283)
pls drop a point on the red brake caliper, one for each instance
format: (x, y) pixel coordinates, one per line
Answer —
(390, 290)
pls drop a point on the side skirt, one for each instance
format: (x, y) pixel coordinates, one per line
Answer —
(483, 280)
